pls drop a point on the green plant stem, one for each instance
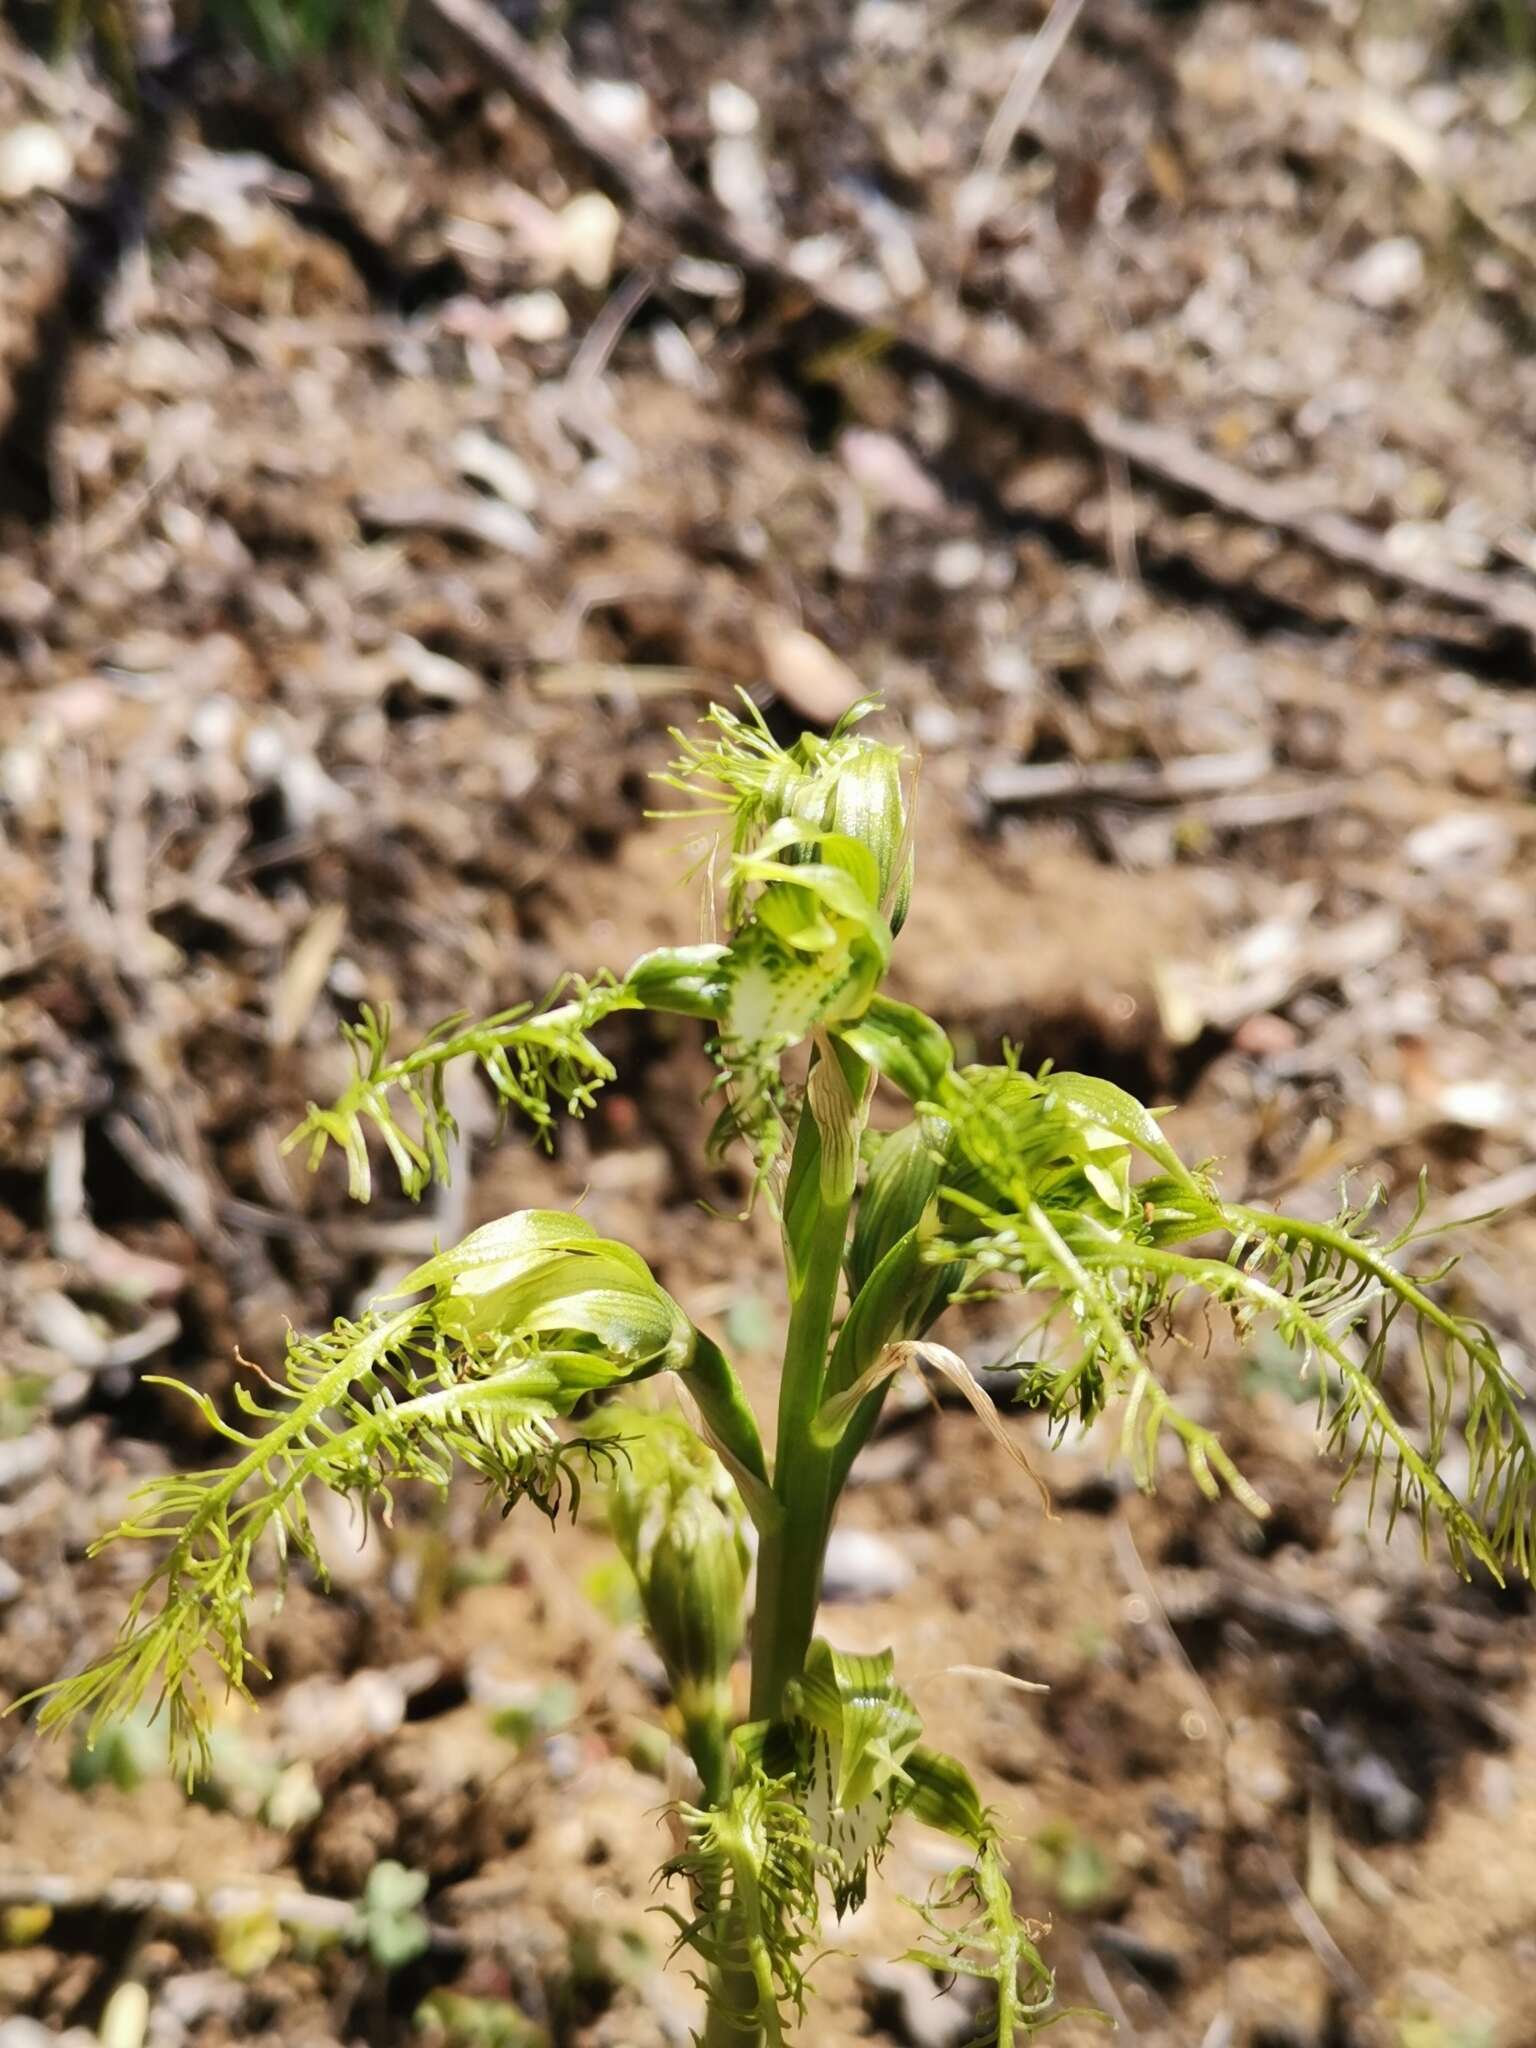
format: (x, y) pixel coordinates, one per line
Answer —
(709, 1744)
(792, 1544)
(1519, 33)
(721, 2028)
(789, 1562)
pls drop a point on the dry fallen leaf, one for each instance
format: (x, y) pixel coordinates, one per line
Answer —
(303, 973)
(809, 677)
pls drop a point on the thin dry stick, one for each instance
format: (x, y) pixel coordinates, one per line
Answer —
(603, 336)
(1037, 392)
(1024, 87)
(1498, 1196)
(1097, 1979)
(1122, 519)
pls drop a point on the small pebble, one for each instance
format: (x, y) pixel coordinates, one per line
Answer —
(589, 235)
(1463, 840)
(885, 467)
(935, 727)
(702, 278)
(1497, 1787)
(889, 1458)
(535, 317)
(677, 359)
(957, 565)
(488, 461)
(732, 109)
(621, 106)
(738, 177)
(1486, 1105)
(1265, 1035)
(33, 158)
(805, 672)
(919, 2008)
(563, 1757)
(24, 1460)
(319, 1716)
(1388, 275)
(863, 1566)
(57, 1321)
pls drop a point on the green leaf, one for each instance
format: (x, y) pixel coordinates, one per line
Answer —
(1015, 1139)
(810, 955)
(1079, 1871)
(730, 1424)
(392, 1930)
(130, 1752)
(845, 785)
(819, 865)
(24, 1926)
(248, 1943)
(870, 1723)
(546, 1272)
(944, 1796)
(905, 1172)
(541, 1711)
(903, 1046)
(898, 1301)
(281, 34)
(973, 1931)
(900, 1298)
(1100, 1102)
(1037, 1187)
(459, 2021)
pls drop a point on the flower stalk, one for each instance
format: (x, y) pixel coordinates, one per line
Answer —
(530, 1354)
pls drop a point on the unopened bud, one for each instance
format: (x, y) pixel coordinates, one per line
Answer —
(686, 981)
(548, 1280)
(864, 798)
(679, 1522)
(693, 1588)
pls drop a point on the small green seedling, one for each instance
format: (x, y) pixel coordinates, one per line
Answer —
(450, 2019)
(390, 1926)
(516, 1354)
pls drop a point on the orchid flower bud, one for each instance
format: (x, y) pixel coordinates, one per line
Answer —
(866, 802)
(845, 785)
(683, 981)
(693, 1590)
(679, 1522)
(547, 1281)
